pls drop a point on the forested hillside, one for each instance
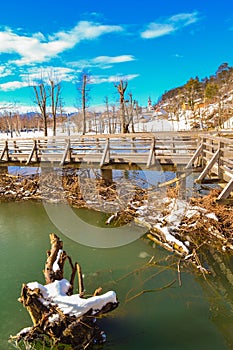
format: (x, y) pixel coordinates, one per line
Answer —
(203, 103)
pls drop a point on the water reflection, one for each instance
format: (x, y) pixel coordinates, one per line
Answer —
(219, 291)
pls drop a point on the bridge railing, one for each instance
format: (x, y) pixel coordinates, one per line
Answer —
(215, 155)
(142, 148)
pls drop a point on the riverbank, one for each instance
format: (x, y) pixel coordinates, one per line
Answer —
(184, 227)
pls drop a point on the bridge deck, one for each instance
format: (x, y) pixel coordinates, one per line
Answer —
(143, 149)
(212, 152)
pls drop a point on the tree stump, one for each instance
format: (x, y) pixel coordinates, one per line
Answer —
(58, 315)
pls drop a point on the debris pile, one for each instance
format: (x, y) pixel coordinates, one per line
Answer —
(180, 226)
(185, 227)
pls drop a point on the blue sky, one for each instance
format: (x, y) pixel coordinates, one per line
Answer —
(154, 45)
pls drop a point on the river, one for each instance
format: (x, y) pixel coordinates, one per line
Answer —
(192, 313)
(197, 314)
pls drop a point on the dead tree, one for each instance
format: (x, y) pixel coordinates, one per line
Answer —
(84, 84)
(121, 88)
(130, 111)
(9, 123)
(83, 81)
(108, 115)
(55, 91)
(41, 99)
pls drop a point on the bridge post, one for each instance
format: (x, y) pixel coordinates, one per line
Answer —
(151, 156)
(106, 153)
(3, 169)
(183, 193)
(106, 175)
(5, 151)
(195, 157)
(67, 153)
(220, 160)
(33, 151)
(209, 165)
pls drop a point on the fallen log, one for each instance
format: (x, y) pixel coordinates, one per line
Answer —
(60, 317)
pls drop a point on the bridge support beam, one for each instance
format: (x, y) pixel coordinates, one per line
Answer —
(106, 154)
(226, 191)
(151, 156)
(209, 165)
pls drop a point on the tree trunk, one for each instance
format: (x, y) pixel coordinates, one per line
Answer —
(84, 83)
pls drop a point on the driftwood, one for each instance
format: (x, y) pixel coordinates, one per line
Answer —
(51, 324)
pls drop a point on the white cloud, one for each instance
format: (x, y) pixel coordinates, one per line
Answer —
(185, 18)
(169, 25)
(4, 71)
(45, 73)
(102, 61)
(36, 49)
(84, 30)
(61, 74)
(155, 30)
(112, 59)
(97, 79)
(32, 76)
(13, 85)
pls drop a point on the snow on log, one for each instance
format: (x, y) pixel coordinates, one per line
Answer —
(58, 315)
(181, 227)
(55, 294)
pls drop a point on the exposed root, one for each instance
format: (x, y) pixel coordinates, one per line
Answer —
(58, 316)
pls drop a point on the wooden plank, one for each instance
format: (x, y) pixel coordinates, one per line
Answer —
(227, 201)
(227, 161)
(106, 155)
(34, 150)
(151, 156)
(67, 150)
(209, 165)
(195, 156)
(226, 191)
(5, 150)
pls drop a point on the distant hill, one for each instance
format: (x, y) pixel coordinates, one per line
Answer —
(205, 103)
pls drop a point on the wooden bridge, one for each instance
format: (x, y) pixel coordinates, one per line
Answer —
(140, 148)
(214, 155)
(211, 154)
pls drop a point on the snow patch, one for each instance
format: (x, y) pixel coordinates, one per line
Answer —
(55, 264)
(56, 294)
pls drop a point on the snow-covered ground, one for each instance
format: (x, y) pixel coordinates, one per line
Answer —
(149, 122)
(162, 124)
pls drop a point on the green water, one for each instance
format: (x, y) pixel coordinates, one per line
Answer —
(196, 315)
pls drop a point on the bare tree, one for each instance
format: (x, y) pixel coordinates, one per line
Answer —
(108, 115)
(84, 84)
(9, 122)
(6, 122)
(48, 91)
(121, 88)
(55, 90)
(41, 99)
(83, 81)
(130, 111)
(114, 120)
